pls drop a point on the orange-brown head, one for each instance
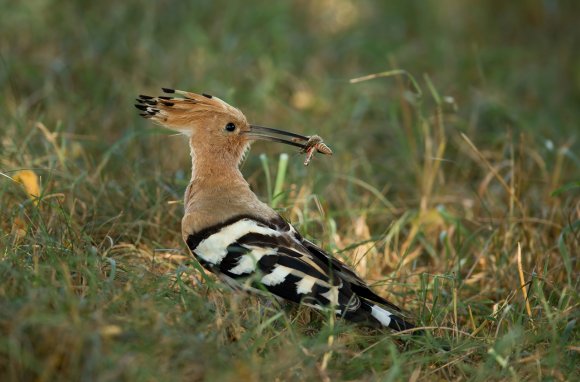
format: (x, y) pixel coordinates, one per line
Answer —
(217, 130)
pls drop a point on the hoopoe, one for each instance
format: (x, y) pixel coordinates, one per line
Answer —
(239, 238)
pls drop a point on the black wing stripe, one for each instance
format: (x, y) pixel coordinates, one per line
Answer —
(259, 239)
(230, 261)
(305, 268)
(325, 257)
(366, 292)
(290, 248)
(298, 251)
(357, 284)
(286, 289)
(195, 238)
(267, 263)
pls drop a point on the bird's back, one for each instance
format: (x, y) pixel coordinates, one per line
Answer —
(271, 255)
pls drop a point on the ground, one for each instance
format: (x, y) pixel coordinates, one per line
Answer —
(454, 187)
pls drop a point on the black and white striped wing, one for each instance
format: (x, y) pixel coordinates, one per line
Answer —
(358, 285)
(273, 256)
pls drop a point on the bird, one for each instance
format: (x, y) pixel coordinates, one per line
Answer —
(242, 240)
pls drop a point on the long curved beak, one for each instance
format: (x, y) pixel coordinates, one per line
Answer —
(274, 135)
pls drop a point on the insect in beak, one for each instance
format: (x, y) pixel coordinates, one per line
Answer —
(308, 144)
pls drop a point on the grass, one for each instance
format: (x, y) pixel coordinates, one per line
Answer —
(453, 188)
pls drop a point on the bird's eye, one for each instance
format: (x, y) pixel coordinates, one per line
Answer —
(230, 127)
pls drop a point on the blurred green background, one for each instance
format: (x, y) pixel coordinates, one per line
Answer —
(507, 64)
(506, 73)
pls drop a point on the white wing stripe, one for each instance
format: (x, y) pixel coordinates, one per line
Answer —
(214, 248)
(247, 263)
(305, 285)
(332, 295)
(277, 276)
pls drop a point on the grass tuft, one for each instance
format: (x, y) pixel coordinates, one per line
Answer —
(453, 188)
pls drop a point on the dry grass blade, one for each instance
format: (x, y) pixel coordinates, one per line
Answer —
(390, 73)
(499, 178)
(523, 283)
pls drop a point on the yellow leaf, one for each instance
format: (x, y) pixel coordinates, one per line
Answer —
(29, 180)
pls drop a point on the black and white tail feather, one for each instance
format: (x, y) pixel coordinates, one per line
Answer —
(271, 255)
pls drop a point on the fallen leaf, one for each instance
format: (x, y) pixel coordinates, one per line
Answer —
(29, 180)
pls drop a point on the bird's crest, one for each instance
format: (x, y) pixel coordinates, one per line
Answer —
(191, 109)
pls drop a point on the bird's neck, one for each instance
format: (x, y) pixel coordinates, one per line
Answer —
(218, 191)
(214, 174)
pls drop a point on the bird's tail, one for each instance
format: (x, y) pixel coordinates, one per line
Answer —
(385, 317)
